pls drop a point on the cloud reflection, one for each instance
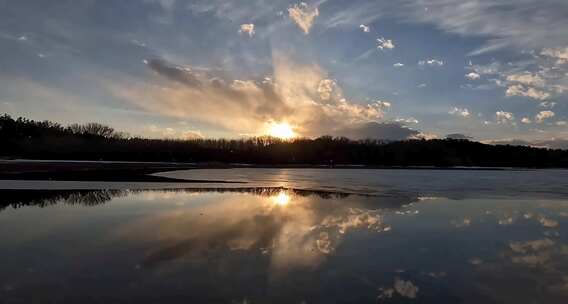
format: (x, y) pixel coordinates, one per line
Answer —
(293, 229)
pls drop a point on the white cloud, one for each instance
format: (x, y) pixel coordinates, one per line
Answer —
(398, 65)
(409, 120)
(487, 69)
(431, 62)
(472, 76)
(384, 104)
(547, 104)
(543, 115)
(404, 288)
(533, 78)
(459, 112)
(154, 131)
(365, 28)
(353, 13)
(520, 90)
(561, 123)
(303, 15)
(248, 29)
(326, 88)
(526, 78)
(526, 120)
(422, 85)
(504, 117)
(383, 43)
(520, 24)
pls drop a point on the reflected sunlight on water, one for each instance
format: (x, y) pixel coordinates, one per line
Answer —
(282, 199)
(275, 245)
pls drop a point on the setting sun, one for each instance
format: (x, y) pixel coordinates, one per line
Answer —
(281, 130)
(282, 199)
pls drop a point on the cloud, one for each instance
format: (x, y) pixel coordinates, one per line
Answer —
(459, 112)
(422, 85)
(520, 24)
(536, 252)
(547, 104)
(458, 136)
(487, 69)
(166, 5)
(303, 15)
(553, 143)
(375, 130)
(154, 131)
(192, 134)
(536, 78)
(365, 28)
(409, 120)
(300, 95)
(384, 104)
(248, 29)
(520, 90)
(398, 65)
(181, 74)
(431, 62)
(526, 120)
(503, 117)
(526, 78)
(560, 54)
(383, 43)
(352, 13)
(325, 88)
(404, 288)
(530, 246)
(472, 76)
(543, 115)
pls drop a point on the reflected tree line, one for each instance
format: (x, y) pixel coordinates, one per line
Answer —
(46, 198)
(24, 138)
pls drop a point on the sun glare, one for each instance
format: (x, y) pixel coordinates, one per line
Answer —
(281, 130)
(282, 199)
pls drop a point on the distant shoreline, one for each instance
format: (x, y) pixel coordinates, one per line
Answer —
(110, 171)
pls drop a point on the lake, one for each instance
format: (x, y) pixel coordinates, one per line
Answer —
(289, 236)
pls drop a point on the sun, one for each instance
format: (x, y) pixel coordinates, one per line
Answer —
(282, 199)
(281, 130)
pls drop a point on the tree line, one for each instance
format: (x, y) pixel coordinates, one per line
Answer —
(29, 139)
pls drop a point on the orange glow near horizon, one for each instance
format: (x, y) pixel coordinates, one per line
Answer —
(281, 130)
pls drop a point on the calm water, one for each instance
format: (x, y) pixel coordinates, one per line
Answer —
(408, 243)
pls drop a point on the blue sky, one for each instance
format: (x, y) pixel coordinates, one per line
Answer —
(492, 70)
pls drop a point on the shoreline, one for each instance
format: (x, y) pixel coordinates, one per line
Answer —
(121, 171)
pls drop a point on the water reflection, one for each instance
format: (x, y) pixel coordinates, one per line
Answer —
(292, 228)
(45, 198)
(281, 199)
(279, 245)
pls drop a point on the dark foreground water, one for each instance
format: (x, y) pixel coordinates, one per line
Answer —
(273, 245)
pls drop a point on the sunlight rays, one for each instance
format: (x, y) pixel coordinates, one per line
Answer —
(281, 130)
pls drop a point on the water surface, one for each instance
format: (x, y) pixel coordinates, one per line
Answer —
(283, 245)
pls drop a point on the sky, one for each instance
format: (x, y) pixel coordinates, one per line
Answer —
(490, 70)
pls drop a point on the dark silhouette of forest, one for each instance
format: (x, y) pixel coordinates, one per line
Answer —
(29, 139)
(46, 198)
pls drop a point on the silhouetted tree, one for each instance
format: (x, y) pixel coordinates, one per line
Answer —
(24, 138)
